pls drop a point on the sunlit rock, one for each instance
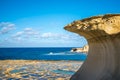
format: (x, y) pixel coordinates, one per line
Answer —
(84, 49)
(103, 36)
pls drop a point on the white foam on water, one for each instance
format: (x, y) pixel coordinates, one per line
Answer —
(60, 53)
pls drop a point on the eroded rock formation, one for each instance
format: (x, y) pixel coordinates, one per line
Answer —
(103, 36)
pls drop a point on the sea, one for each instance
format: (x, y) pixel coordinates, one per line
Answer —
(40, 53)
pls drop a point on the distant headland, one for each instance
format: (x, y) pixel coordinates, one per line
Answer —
(83, 49)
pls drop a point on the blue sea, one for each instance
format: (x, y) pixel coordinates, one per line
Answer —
(61, 53)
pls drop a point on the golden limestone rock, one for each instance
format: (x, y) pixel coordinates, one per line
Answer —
(99, 25)
(103, 36)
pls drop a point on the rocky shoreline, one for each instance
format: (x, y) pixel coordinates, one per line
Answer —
(84, 49)
(37, 70)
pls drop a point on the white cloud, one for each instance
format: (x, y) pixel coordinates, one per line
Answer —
(50, 35)
(18, 39)
(32, 36)
(59, 36)
(18, 34)
(28, 29)
(25, 34)
(6, 27)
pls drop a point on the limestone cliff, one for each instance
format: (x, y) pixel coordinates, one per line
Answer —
(103, 36)
(84, 49)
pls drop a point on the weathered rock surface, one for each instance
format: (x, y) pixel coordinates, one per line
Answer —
(103, 36)
(84, 49)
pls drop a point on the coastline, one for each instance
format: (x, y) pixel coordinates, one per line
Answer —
(38, 69)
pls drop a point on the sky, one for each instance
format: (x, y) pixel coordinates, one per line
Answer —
(40, 23)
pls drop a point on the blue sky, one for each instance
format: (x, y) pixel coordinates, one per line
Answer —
(39, 23)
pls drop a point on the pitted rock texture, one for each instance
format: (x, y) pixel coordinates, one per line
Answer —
(103, 36)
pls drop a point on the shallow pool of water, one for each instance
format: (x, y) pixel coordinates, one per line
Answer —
(65, 72)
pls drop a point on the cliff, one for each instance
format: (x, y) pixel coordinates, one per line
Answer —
(84, 49)
(103, 36)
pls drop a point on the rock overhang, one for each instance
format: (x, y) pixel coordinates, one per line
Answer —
(96, 26)
(103, 36)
